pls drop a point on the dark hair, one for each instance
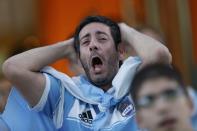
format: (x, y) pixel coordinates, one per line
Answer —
(155, 71)
(114, 28)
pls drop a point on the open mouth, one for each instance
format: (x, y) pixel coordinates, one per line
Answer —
(96, 63)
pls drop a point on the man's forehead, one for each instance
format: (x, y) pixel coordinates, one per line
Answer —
(94, 27)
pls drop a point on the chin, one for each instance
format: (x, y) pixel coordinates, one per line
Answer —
(100, 81)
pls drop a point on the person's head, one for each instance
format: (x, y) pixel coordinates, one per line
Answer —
(96, 42)
(161, 99)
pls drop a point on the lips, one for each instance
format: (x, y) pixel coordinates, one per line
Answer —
(169, 122)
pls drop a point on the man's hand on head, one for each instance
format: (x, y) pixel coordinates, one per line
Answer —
(148, 49)
(69, 50)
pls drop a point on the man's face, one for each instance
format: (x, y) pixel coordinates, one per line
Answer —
(164, 107)
(98, 54)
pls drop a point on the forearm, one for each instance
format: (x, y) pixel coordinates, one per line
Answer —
(35, 59)
(23, 69)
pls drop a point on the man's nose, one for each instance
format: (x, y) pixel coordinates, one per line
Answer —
(93, 45)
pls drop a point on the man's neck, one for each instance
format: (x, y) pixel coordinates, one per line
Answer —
(106, 87)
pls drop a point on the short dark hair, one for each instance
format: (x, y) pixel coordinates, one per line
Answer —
(114, 28)
(155, 71)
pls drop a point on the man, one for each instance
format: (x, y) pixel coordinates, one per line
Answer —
(92, 101)
(161, 99)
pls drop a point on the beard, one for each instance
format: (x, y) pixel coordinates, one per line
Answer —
(112, 66)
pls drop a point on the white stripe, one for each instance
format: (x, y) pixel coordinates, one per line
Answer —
(43, 99)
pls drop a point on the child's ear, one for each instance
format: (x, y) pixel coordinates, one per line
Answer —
(139, 121)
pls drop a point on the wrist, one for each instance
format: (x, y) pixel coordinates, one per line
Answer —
(67, 48)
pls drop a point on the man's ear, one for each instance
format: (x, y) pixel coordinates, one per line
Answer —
(121, 51)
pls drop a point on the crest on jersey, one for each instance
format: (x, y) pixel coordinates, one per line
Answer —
(126, 107)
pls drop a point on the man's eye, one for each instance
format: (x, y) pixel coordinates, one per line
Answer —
(85, 42)
(102, 39)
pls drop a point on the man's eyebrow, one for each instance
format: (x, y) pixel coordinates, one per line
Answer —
(101, 32)
(87, 35)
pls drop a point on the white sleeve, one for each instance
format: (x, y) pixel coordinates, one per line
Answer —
(40, 105)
